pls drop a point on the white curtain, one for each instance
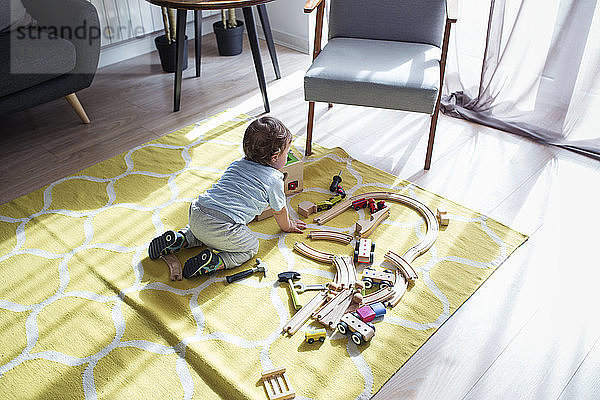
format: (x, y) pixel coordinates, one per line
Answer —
(530, 67)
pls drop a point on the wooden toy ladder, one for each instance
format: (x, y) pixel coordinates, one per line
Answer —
(276, 385)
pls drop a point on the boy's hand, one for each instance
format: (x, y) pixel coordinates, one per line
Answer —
(296, 226)
(286, 223)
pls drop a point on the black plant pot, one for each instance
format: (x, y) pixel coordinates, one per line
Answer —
(168, 53)
(229, 41)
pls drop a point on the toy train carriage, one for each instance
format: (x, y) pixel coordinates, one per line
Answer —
(384, 278)
(373, 206)
(359, 331)
(360, 203)
(363, 252)
(327, 204)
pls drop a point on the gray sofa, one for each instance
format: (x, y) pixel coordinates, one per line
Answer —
(55, 57)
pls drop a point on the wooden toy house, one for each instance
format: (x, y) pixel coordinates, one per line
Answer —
(293, 176)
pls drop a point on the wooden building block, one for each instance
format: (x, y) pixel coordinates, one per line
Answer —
(305, 208)
(268, 213)
(442, 217)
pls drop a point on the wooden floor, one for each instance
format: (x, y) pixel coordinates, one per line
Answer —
(530, 332)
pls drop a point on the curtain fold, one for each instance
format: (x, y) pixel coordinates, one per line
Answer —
(529, 67)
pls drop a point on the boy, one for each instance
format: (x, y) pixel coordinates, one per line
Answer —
(218, 217)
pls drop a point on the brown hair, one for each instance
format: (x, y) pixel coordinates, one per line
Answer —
(264, 138)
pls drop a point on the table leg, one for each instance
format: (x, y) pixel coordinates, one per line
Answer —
(253, 39)
(180, 42)
(264, 20)
(198, 34)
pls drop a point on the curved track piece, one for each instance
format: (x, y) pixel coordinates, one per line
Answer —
(330, 235)
(392, 294)
(314, 254)
(403, 266)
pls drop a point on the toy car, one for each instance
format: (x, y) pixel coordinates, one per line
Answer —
(314, 335)
(384, 279)
(363, 252)
(371, 312)
(359, 331)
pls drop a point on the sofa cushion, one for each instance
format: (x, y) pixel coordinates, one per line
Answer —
(30, 57)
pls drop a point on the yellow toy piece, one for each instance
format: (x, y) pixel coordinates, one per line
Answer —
(314, 335)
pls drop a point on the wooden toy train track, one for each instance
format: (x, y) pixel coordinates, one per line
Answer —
(328, 310)
(330, 235)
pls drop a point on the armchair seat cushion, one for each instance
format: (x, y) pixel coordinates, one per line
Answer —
(30, 61)
(376, 73)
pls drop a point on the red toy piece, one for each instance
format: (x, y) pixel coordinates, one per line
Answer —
(372, 206)
(370, 312)
(366, 313)
(360, 203)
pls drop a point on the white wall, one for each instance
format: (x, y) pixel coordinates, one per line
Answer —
(289, 25)
(134, 47)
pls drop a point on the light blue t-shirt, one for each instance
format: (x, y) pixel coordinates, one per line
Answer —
(245, 190)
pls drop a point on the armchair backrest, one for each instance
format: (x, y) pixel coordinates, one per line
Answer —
(417, 21)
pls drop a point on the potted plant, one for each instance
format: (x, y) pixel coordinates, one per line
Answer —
(229, 33)
(166, 44)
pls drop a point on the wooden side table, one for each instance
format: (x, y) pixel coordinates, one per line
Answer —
(197, 6)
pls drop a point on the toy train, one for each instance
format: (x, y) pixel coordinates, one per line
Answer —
(359, 323)
(327, 204)
(373, 206)
(363, 252)
(384, 278)
(359, 331)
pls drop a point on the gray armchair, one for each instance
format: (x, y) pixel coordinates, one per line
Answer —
(55, 58)
(381, 53)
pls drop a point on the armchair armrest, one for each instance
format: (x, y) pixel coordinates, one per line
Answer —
(451, 10)
(311, 5)
(76, 21)
(308, 8)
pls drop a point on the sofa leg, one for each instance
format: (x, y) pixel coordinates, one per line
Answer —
(74, 102)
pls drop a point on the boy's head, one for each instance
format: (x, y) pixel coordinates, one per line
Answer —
(265, 138)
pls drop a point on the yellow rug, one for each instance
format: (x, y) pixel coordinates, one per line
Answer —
(85, 314)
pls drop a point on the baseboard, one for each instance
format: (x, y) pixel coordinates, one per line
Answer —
(285, 39)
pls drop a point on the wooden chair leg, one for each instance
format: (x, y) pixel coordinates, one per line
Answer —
(309, 128)
(74, 102)
(432, 128)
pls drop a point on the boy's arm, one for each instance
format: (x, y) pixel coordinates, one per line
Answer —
(286, 224)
